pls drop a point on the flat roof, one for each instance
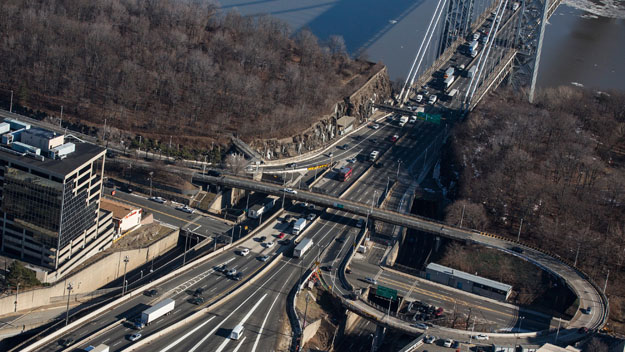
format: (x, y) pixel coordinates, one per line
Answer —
(119, 209)
(60, 167)
(40, 132)
(345, 121)
(469, 277)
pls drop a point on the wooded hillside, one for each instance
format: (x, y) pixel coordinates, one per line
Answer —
(168, 67)
(559, 168)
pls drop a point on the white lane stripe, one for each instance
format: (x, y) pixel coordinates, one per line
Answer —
(245, 318)
(239, 345)
(237, 308)
(173, 344)
(269, 312)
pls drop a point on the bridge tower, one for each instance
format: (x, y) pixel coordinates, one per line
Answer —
(529, 41)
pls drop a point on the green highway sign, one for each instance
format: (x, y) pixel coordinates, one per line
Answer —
(337, 205)
(434, 118)
(386, 292)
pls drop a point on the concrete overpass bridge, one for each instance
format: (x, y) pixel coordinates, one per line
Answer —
(588, 293)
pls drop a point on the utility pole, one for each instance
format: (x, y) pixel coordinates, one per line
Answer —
(462, 216)
(518, 236)
(11, 105)
(17, 291)
(69, 293)
(605, 286)
(184, 256)
(61, 120)
(204, 166)
(126, 260)
(576, 254)
(151, 174)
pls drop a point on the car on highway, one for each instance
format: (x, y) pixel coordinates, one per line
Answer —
(291, 165)
(238, 276)
(186, 209)
(588, 310)
(199, 291)
(197, 300)
(311, 217)
(419, 98)
(330, 154)
(262, 238)
(476, 35)
(221, 268)
(157, 200)
(263, 258)
(289, 190)
(66, 342)
(433, 99)
(340, 239)
(134, 337)
(481, 337)
(269, 244)
(287, 217)
(447, 342)
(371, 280)
(420, 326)
(281, 235)
(517, 249)
(429, 339)
(375, 126)
(394, 138)
(360, 223)
(345, 146)
(231, 272)
(351, 160)
(151, 293)
(327, 267)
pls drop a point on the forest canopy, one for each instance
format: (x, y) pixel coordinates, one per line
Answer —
(168, 67)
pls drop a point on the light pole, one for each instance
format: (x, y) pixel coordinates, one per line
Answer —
(518, 236)
(184, 255)
(370, 210)
(462, 216)
(17, 291)
(69, 293)
(11, 105)
(517, 334)
(151, 174)
(576, 254)
(398, 164)
(558, 331)
(126, 260)
(388, 181)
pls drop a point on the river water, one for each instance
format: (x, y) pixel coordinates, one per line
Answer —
(583, 45)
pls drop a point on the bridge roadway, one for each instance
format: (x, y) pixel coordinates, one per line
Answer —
(589, 295)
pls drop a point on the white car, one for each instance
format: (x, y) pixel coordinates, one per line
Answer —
(476, 36)
(429, 339)
(375, 126)
(186, 209)
(289, 190)
(157, 200)
(351, 160)
(311, 217)
(481, 337)
(448, 342)
(433, 98)
(269, 244)
(371, 280)
(419, 98)
(134, 337)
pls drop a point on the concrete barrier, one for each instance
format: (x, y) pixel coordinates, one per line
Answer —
(47, 339)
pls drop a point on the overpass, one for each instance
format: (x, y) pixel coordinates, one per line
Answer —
(588, 293)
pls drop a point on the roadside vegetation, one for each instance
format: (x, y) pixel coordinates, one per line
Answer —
(555, 171)
(170, 69)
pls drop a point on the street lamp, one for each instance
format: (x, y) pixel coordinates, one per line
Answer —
(11, 105)
(126, 260)
(151, 173)
(517, 335)
(69, 293)
(398, 164)
(16, 293)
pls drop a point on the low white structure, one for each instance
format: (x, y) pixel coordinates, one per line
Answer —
(125, 216)
(467, 282)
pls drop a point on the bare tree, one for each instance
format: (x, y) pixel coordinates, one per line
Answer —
(236, 163)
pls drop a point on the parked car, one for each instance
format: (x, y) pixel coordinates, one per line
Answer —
(135, 336)
(262, 238)
(429, 339)
(481, 337)
(269, 244)
(419, 98)
(360, 223)
(447, 342)
(433, 99)
(281, 235)
(291, 165)
(311, 217)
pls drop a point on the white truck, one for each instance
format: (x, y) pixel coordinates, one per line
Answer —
(473, 48)
(299, 226)
(374, 155)
(452, 93)
(403, 120)
(302, 247)
(161, 308)
(448, 81)
(98, 348)
(255, 211)
(471, 72)
(448, 73)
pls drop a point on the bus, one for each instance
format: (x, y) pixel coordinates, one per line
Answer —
(345, 173)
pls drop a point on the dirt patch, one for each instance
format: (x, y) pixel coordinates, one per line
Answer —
(141, 237)
(531, 286)
(321, 305)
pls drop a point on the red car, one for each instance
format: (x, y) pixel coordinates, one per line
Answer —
(281, 235)
(394, 138)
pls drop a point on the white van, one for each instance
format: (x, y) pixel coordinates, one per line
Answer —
(237, 332)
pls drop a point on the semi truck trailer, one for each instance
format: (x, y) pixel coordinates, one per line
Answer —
(161, 308)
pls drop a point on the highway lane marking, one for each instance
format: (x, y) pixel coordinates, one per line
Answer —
(237, 308)
(239, 345)
(268, 312)
(192, 281)
(157, 211)
(245, 318)
(173, 344)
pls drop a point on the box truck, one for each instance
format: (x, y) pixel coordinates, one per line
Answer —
(302, 247)
(402, 121)
(299, 226)
(448, 81)
(471, 72)
(161, 308)
(449, 72)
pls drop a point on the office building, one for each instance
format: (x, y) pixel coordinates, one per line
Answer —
(50, 199)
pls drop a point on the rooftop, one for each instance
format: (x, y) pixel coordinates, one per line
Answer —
(469, 277)
(60, 167)
(119, 209)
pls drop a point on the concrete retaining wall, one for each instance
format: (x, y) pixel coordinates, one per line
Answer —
(89, 279)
